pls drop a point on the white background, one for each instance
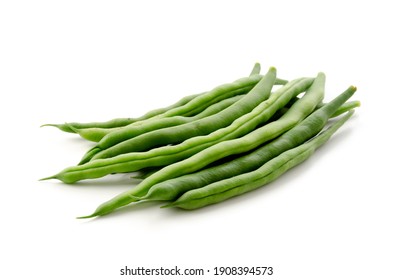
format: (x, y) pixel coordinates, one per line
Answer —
(62, 61)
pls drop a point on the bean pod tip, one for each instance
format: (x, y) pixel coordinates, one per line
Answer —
(48, 178)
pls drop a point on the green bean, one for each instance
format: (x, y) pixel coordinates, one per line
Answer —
(198, 104)
(295, 114)
(306, 129)
(256, 70)
(346, 107)
(240, 86)
(177, 134)
(225, 189)
(165, 155)
(71, 127)
(96, 134)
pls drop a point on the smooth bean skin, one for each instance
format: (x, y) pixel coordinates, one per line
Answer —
(295, 114)
(169, 135)
(225, 189)
(171, 189)
(156, 157)
(96, 134)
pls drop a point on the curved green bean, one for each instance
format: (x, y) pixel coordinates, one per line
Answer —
(295, 114)
(124, 142)
(198, 104)
(306, 129)
(225, 189)
(72, 127)
(96, 134)
(347, 106)
(201, 102)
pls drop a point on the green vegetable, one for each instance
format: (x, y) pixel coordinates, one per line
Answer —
(300, 110)
(211, 146)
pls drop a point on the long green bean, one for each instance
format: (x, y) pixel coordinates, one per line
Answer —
(96, 134)
(73, 127)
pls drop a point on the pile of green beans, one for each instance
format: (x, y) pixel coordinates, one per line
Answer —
(209, 147)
